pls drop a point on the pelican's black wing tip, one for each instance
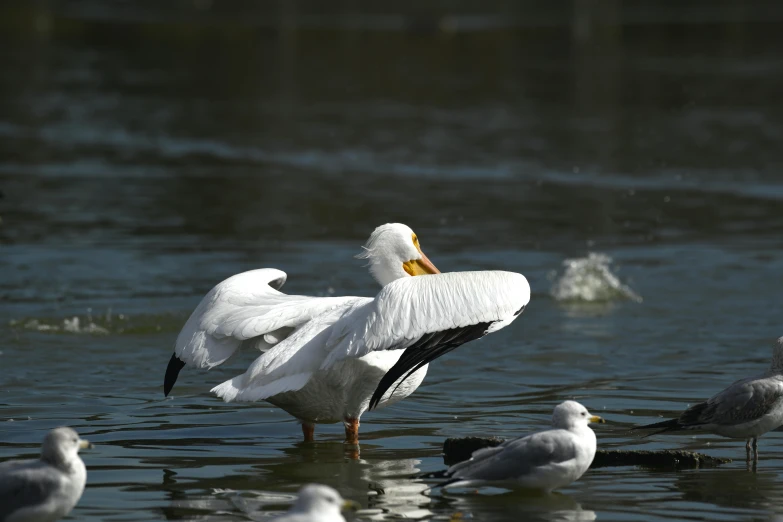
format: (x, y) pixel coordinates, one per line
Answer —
(426, 349)
(376, 398)
(172, 372)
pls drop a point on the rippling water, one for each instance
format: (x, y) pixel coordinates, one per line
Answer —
(147, 153)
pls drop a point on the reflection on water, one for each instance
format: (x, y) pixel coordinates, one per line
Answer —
(521, 506)
(387, 489)
(733, 489)
(384, 487)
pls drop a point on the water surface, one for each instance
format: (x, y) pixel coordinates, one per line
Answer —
(148, 153)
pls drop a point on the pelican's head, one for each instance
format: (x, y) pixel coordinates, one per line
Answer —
(323, 501)
(571, 414)
(393, 252)
(61, 446)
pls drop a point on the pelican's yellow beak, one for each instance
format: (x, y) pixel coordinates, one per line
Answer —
(85, 444)
(596, 418)
(417, 267)
(350, 505)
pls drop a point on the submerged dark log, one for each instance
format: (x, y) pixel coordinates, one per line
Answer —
(661, 459)
(460, 448)
(457, 449)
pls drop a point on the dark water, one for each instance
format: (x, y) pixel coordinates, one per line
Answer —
(148, 152)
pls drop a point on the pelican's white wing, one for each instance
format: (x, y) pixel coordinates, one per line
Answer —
(427, 316)
(288, 365)
(246, 307)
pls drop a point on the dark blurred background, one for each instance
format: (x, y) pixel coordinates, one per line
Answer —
(542, 122)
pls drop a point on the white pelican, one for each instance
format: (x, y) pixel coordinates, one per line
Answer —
(330, 359)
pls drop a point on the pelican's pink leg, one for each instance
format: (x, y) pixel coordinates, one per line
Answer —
(351, 431)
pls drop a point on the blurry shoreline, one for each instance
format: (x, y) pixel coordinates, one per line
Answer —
(582, 19)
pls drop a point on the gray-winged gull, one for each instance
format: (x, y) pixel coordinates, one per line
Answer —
(45, 489)
(747, 409)
(544, 461)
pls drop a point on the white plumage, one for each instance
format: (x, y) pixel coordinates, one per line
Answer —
(245, 307)
(317, 503)
(329, 359)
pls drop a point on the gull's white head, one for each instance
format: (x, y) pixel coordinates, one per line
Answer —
(777, 355)
(570, 414)
(61, 446)
(322, 500)
(393, 252)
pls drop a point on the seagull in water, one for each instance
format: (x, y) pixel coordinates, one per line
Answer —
(330, 359)
(747, 409)
(317, 503)
(45, 489)
(542, 461)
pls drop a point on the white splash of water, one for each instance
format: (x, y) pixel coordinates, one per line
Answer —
(72, 325)
(589, 279)
(69, 325)
(103, 323)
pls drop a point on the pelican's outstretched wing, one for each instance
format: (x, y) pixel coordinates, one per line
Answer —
(246, 308)
(432, 315)
(427, 316)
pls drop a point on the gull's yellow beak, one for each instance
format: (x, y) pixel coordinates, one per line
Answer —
(417, 267)
(85, 444)
(350, 505)
(596, 418)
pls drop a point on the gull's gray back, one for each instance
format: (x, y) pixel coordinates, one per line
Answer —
(517, 457)
(25, 483)
(743, 401)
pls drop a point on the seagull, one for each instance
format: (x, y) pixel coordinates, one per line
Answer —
(542, 461)
(45, 489)
(317, 503)
(330, 359)
(747, 409)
